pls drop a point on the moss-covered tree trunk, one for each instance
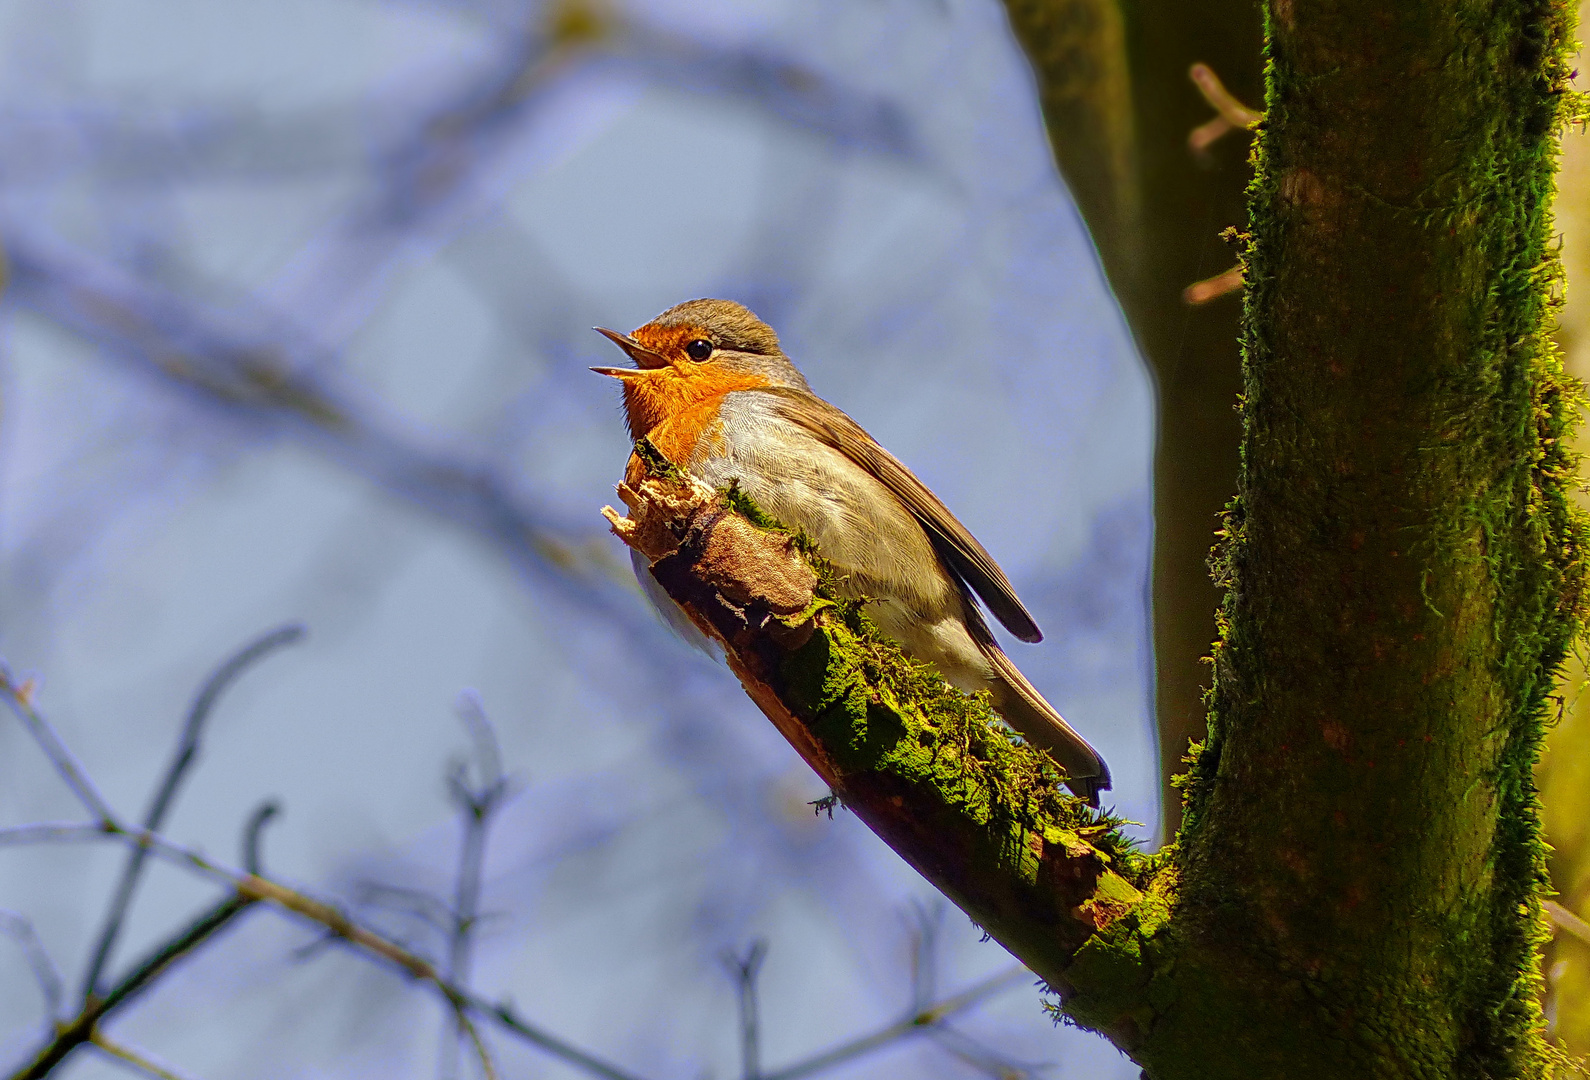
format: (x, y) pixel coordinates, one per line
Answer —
(1356, 889)
(1403, 570)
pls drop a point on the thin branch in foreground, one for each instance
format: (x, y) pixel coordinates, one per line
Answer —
(182, 759)
(340, 926)
(477, 805)
(19, 928)
(504, 1015)
(54, 832)
(138, 1060)
(250, 887)
(108, 823)
(263, 815)
(20, 698)
(488, 1067)
(916, 1023)
(82, 1028)
(62, 832)
(744, 971)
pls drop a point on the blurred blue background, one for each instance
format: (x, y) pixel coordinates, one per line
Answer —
(298, 328)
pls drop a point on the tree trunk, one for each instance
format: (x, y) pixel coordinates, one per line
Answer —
(1404, 569)
(1356, 888)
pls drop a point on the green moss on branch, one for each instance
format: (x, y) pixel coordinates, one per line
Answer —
(933, 771)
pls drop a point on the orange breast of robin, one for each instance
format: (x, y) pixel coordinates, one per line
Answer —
(677, 407)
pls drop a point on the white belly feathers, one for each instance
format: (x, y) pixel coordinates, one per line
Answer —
(876, 546)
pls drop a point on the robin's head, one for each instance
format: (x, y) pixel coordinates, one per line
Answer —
(692, 352)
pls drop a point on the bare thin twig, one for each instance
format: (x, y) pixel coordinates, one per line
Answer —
(182, 759)
(744, 971)
(423, 970)
(250, 887)
(1201, 292)
(55, 832)
(19, 928)
(488, 1067)
(140, 1060)
(1231, 115)
(253, 888)
(20, 698)
(477, 804)
(916, 1023)
(263, 815)
(80, 1029)
(505, 1016)
(1565, 920)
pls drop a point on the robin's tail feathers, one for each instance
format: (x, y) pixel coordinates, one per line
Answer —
(1019, 702)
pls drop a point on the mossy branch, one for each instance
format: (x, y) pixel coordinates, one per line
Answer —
(931, 770)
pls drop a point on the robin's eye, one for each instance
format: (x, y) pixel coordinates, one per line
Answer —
(698, 350)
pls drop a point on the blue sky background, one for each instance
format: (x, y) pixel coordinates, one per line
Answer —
(416, 211)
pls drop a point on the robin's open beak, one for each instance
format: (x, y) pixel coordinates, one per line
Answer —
(644, 358)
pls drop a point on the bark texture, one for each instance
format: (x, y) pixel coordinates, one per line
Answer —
(1404, 565)
(1112, 77)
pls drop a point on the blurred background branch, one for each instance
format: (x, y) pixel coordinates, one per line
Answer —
(1156, 218)
(187, 751)
(476, 803)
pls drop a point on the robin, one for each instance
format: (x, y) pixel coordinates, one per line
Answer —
(716, 395)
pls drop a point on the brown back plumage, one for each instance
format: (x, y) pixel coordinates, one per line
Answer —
(970, 562)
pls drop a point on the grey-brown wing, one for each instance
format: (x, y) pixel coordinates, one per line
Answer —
(958, 547)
